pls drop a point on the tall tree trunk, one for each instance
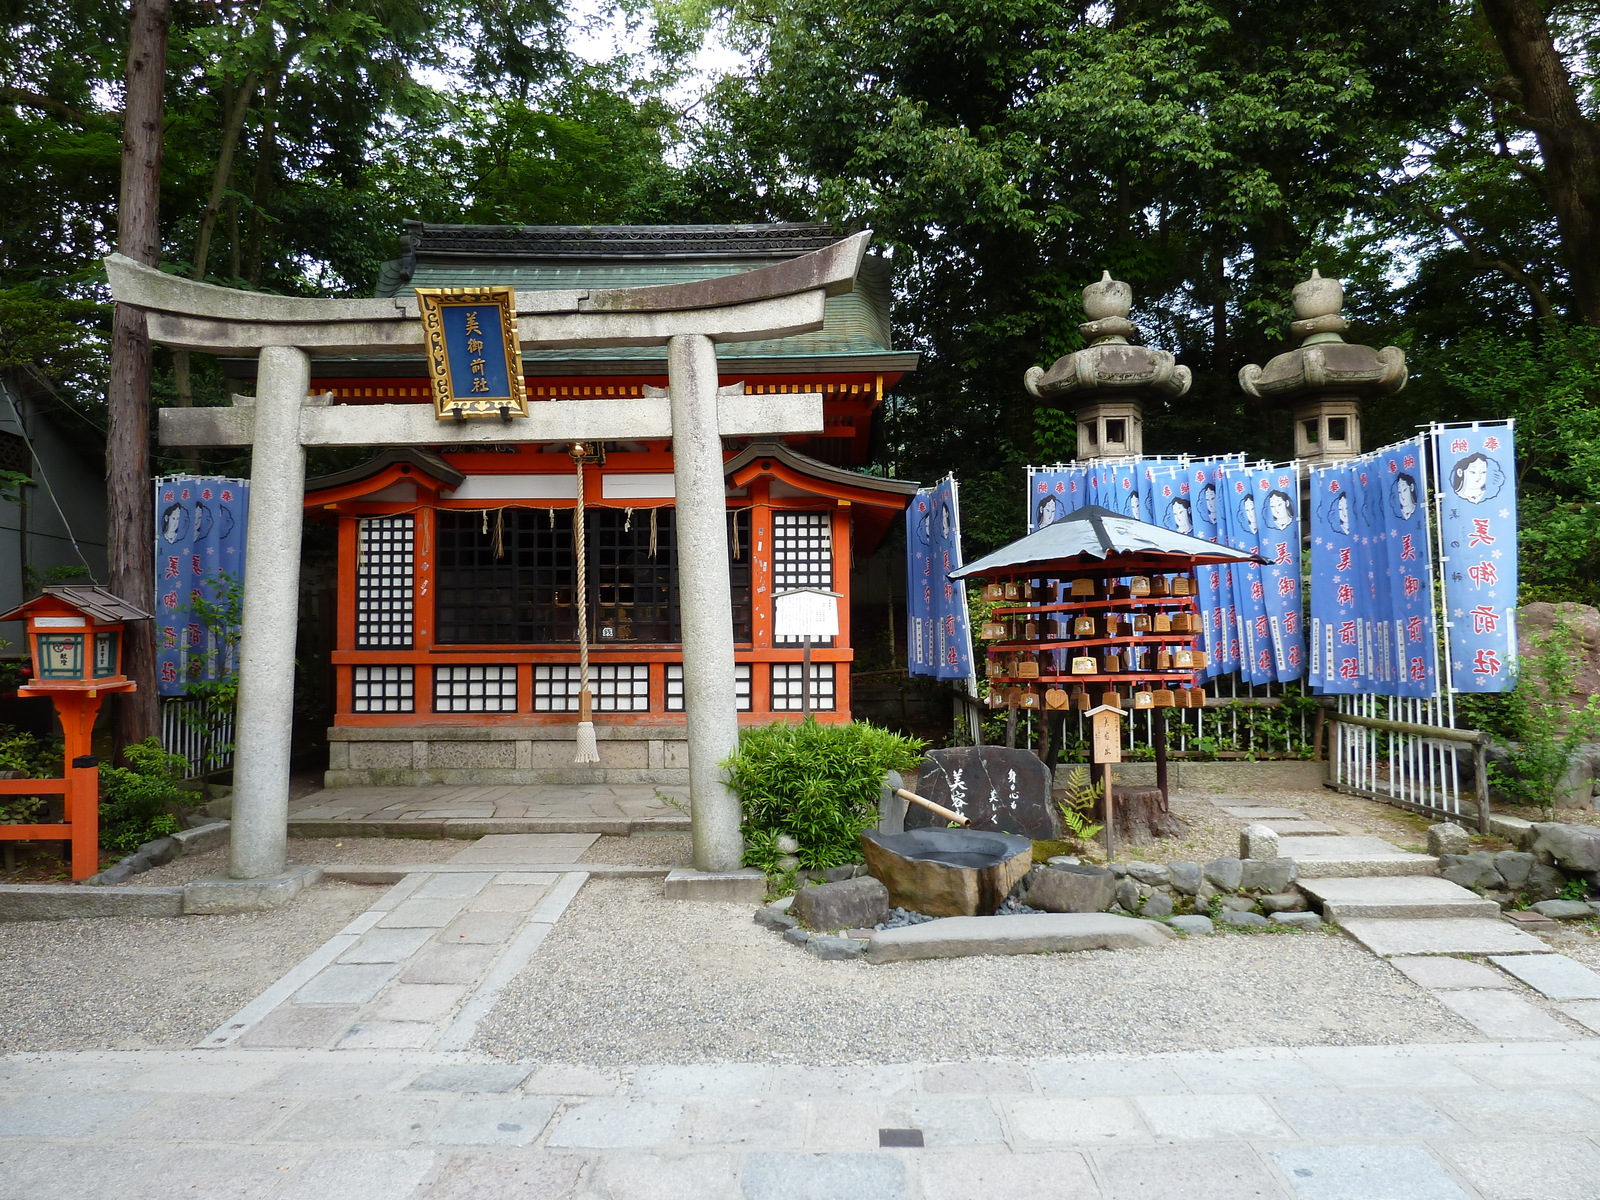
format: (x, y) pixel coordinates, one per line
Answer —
(261, 183)
(1569, 142)
(130, 533)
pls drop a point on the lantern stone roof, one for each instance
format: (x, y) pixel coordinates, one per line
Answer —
(1324, 364)
(100, 603)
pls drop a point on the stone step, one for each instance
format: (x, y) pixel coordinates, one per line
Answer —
(1347, 857)
(1302, 829)
(1344, 899)
(1390, 937)
(476, 827)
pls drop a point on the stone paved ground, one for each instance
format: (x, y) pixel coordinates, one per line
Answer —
(1448, 1122)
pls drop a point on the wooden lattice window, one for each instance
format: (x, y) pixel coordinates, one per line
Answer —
(616, 687)
(802, 557)
(384, 563)
(786, 687)
(384, 689)
(472, 688)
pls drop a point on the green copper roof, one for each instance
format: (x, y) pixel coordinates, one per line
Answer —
(854, 324)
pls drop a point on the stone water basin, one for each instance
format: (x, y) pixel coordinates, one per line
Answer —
(947, 872)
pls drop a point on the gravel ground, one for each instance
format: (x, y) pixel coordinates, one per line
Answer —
(647, 850)
(153, 983)
(629, 977)
(377, 851)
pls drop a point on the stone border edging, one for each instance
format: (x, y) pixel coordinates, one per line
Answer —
(160, 851)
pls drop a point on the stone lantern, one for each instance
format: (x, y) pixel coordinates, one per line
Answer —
(1109, 380)
(1325, 379)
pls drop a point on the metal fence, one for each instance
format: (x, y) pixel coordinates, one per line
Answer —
(1409, 753)
(201, 732)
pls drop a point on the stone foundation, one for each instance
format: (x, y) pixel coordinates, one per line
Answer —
(465, 755)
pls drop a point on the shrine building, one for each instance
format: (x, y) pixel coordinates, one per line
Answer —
(455, 651)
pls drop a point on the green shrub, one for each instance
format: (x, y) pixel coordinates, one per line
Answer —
(30, 757)
(137, 801)
(816, 783)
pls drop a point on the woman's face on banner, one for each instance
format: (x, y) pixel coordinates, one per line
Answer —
(1406, 490)
(1341, 514)
(1182, 519)
(1249, 510)
(1474, 480)
(1208, 503)
(1279, 514)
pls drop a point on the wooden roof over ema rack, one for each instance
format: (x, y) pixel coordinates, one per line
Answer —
(1093, 533)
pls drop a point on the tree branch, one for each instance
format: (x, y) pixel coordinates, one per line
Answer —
(25, 98)
(1542, 307)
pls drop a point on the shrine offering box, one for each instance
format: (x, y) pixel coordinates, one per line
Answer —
(1182, 585)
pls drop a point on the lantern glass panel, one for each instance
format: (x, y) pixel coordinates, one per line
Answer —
(60, 655)
(105, 654)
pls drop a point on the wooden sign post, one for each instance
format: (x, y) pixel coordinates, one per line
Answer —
(805, 613)
(1106, 749)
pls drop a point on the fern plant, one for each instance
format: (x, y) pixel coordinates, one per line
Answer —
(1082, 795)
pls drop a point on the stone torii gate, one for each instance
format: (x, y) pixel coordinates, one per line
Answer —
(283, 419)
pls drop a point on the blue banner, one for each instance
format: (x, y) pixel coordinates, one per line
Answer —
(1336, 645)
(1403, 476)
(1270, 502)
(200, 540)
(940, 635)
(1053, 492)
(1477, 495)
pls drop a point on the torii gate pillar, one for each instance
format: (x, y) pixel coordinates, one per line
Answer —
(690, 319)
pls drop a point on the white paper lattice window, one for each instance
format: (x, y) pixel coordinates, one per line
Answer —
(384, 559)
(802, 556)
(741, 687)
(617, 687)
(786, 687)
(384, 690)
(475, 689)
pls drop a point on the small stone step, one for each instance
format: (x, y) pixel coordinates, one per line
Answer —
(1302, 829)
(1349, 857)
(1254, 812)
(1554, 975)
(1390, 937)
(1344, 899)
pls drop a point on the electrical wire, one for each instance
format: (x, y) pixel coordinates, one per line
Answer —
(44, 477)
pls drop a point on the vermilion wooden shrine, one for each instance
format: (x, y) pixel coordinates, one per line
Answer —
(456, 656)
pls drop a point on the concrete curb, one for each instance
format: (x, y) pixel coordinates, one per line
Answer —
(162, 850)
(71, 902)
(469, 828)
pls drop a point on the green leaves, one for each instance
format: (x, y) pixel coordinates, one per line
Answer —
(818, 784)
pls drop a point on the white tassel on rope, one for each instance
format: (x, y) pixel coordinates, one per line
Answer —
(588, 747)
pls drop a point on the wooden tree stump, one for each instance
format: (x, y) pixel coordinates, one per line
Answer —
(1142, 815)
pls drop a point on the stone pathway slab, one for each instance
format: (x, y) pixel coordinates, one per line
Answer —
(1391, 938)
(1262, 813)
(1409, 896)
(1288, 828)
(527, 848)
(1553, 975)
(1505, 1016)
(1445, 973)
(1584, 1012)
(1327, 857)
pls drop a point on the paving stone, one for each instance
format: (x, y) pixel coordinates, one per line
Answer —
(386, 945)
(388, 1035)
(1365, 1173)
(1037, 1175)
(358, 1175)
(1402, 896)
(572, 1081)
(189, 1075)
(712, 1080)
(30, 1075)
(342, 983)
(946, 1121)
(454, 884)
(1368, 1115)
(823, 1177)
(1219, 1075)
(1028, 933)
(423, 914)
(337, 1078)
(859, 1082)
(1106, 1077)
(508, 897)
(470, 1077)
(211, 1118)
(613, 1124)
(67, 1116)
(1091, 1120)
(1222, 1172)
(433, 1002)
(1389, 938)
(976, 1078)
(387, 1118)
(840, 1125)
(1503, 1015)
(214, 1172)
(450, 964)
(1513, 1110)
(1444, 972)
(1552, 975)
(1322, 857)
(1197, 1118)
(705, 1176)
(1584, 1012)
(1527, 1168)
(770, 1123)
(1573, 1065)
(526, 848)
(1392, 1071)
(1292, 828)
(301, 1027)
(494, 1121)
(1247, 812)
(1298, 920)
(481, 928)
(475, 1175)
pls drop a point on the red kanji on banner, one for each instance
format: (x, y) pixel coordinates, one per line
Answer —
(1291, 622)
(169, 672)
(1458, 446)
(1286, 586)
(1256, 590)
(1348, 669)
(192, 635)
(194, 565)
(1264, 660)
(1293, 655)
(169, 600)
(1484, 619)
(1486, 662)
(1410, 461)
(1347, 633)
(1480, 535)
(1408, 550)
(169, 637)
(1483, 574)
(172, 567)
(1413, 587)
(1344, 595)
(1419, 669)
(1344, 559)
(1491, 443)
(1281, 554)
(1263, 627)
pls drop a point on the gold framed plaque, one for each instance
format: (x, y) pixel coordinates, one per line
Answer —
(474, 356)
